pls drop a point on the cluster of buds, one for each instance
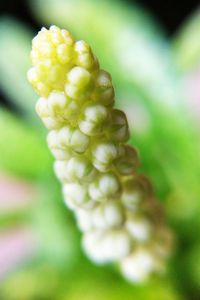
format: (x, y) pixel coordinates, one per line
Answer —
(114, 206)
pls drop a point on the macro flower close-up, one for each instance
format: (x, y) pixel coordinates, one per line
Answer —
(99, 150)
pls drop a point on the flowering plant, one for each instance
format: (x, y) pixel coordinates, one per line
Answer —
(114, 205)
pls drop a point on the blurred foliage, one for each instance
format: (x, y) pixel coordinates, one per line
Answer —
(58, 286)
(23, 151)
(147, 73)
(14, 62)
(187, 44)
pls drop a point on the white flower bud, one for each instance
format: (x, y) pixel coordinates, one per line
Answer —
(32, 75)
(139, 228)
(84, 219)
(94, 119)
(103, 79)
(104, 155)
(132, 194)
(74, 139)
(55, 34)
(81, 47)
(79, 77)
(119, 244)
(104, 91)
(107, 215)
(79, 168)
(61, 154)
(67, 37)
(118, 130)
(64, 136)
(64, 53)
(138, 266)
(72, 111)
(60, 168)
(78, 81)
(73, 91)
(46, 51)
(57, 103)
(91, 245)
(106, 246)
(41, 107)
(52, 139)
(75, 169)
(54, 146)
(127, 161)
(76, 196)
(84, 58)
(51, 123)
(79, 141)
(109, 184)
(106, 186)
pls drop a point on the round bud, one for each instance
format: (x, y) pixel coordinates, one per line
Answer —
(84, 219)
(139, 228)
(132, 193)
(94, 119)
(128, 160)
(76, 196)
(41, 107)
(74, 139)
(80, 169)
(106, 246)
(107, 215)
(138, 266)
(106, 186)
(64, 53)
(118, 130)
(79, 76)
(57, 103)
(104, 154)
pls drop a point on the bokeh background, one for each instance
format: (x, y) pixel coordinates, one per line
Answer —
(152, 50)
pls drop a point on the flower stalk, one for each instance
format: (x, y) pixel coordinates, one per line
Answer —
(114, 205)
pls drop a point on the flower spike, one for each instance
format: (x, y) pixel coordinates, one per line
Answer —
(114, 206)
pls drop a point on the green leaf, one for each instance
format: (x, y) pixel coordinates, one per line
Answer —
(15, 46)
(186, 43)
(22, 150)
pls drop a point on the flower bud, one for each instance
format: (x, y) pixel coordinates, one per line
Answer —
(118, 130)
(94, 119)
(139, 228)
(73, 139)
(127, 161)
(79, 169)
(104, 155)
(107, 186)
(76, 196)
(138, 266)
(107, 215)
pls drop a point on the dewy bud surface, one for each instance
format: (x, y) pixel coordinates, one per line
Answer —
(114, 206)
